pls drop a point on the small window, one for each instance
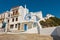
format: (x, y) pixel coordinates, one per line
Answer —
(8, 15)
(16, 19)
(16, 11)
(18, 24)
(8, 21)
(13, 20)
(15, 25)
(35, 24)
(13, 12)
(11, 26)
(29, 17)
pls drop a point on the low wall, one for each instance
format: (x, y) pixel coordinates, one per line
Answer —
(45, 31)
(33, 30)
(48, 31)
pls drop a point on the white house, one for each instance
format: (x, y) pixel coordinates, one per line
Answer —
(48, 16)
(19, 19)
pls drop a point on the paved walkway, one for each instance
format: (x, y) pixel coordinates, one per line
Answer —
(26, 37)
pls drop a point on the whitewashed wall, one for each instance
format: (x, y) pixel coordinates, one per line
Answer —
(30, 31)
(49, 31)
(45, 31)
(0, 25)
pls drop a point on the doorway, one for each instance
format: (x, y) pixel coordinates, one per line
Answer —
(18, 26)
(25, 27)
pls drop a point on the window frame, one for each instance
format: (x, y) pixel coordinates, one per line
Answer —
(15, 25)
(12, 19)
(11, 26)
(16, 18)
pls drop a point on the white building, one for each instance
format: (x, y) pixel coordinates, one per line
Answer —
(19, 19)
(48, 16)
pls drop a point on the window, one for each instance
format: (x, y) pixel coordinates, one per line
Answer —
(8, 21)
(37, 18)
(13, 20)
(16, 19)
(29, 17)
(18, 24)
(35, 24)
(16, 11)
(8, 15)
(13, 12)
(15, 25)
(11, 26)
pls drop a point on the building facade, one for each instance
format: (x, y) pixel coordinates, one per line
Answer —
(19, 19)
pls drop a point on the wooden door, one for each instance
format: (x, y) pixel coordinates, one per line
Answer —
(18, 26)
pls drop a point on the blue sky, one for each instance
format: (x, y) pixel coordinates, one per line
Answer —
(46, 6)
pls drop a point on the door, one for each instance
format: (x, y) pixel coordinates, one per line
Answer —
(18, 26)
(25, 27)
